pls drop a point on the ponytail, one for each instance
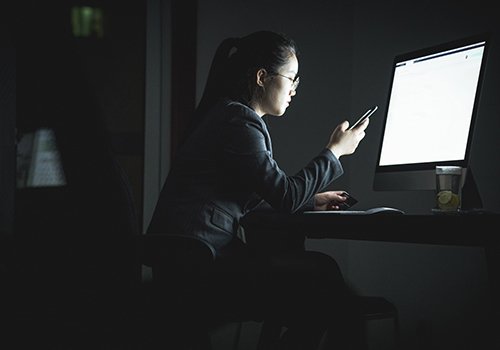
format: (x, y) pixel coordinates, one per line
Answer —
(218, 76)
(215, 87)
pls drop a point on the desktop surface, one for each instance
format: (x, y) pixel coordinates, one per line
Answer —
(463, 230)
(468, 230)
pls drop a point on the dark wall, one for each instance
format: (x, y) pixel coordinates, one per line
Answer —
(7, 137)
(64, 271)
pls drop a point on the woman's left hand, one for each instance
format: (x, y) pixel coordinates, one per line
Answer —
(328, 200)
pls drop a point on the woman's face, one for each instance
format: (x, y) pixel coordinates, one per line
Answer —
(278, 90)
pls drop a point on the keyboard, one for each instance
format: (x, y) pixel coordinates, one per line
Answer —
(373, 211)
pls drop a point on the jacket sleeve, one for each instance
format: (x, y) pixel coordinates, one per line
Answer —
(246, 145)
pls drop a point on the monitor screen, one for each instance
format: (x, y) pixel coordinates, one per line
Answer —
(432, 102)
(38, 160)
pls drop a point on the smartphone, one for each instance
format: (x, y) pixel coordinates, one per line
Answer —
(365, 116)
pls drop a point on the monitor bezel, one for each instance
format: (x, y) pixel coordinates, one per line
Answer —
(486, 37)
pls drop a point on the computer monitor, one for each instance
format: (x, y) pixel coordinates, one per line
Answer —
(431, 108)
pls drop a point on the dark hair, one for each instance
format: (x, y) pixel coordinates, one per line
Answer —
(235, 62)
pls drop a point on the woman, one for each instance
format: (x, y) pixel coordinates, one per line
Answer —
(225, 168)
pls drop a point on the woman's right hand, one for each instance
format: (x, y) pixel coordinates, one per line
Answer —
(344, 142)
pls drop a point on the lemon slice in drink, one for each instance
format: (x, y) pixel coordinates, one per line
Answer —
(448, 200)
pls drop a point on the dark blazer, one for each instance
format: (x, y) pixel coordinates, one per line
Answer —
(224, 170)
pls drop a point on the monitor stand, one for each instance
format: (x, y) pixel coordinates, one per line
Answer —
(471, 198)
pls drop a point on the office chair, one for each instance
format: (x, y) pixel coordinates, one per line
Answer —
(156, 314)
(170, 300)
(165, 309)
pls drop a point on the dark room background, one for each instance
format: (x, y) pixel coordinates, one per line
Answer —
(346, 52)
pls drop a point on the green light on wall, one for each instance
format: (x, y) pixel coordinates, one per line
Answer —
(87, 22)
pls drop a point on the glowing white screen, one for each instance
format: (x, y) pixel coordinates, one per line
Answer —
(430, 108)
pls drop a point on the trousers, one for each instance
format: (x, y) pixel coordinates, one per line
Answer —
(302, 291)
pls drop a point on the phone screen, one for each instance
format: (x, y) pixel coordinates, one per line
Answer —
(365, 116)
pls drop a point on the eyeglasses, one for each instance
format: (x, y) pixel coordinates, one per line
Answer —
(295, 82)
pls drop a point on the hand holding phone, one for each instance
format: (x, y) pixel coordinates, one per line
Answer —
(344, 143)
(365, 116)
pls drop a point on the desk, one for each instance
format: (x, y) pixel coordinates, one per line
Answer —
(481, 230)
(465, 230)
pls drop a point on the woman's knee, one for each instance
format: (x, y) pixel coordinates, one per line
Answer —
(310, 269)
(324, 264)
